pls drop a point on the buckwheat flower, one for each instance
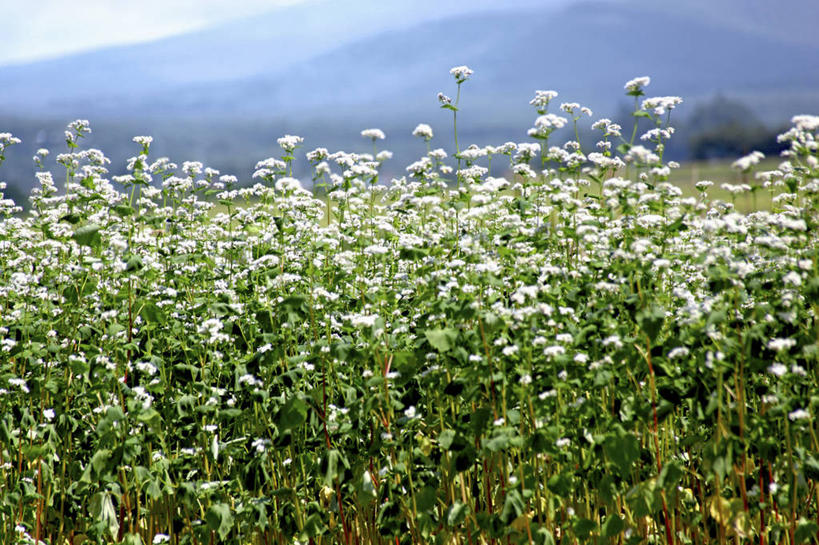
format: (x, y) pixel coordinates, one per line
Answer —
(287, 185)
(798, 414)
(499, 422)
(637, 84)
(49, 414)
(20, 383)
(260, 445)
(510, 350)
(613, 340)
(678, 352)
(443, 99)
(143, 140)
(411, 412)
(526, 379)
(703, 185)
(80, 126)
(288, 143)
(461, 73)
(423, 131)
(547, 123)
(659, 105)
(792, 278)
(745, 163)
(806, 122)
(542, 99)
(161, 538)
(569, 107)
(781, 344)
(373, 134)
(6, 139)
(777, 369)
(547, 394)
(563, 442)
(192, 168)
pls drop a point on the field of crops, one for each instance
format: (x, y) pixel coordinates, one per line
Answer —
(576, 353)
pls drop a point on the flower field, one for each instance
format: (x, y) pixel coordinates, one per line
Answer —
(571, 353)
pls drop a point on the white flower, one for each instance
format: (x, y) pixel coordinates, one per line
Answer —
(745, 163)
(781, 344)
(161, 538)
(777, 369)
(678, 352)
(461, 73)
(542, 99)
(660, 105)
(143, 140)
(373, 134)
(637, 84)
(793, 278)
(49, 414)
(286, 185)
(289, 142)
(562, 442)
(798, 414)
(422, 130)
(510, 350)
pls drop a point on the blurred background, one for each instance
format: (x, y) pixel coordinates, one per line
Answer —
(218, 82)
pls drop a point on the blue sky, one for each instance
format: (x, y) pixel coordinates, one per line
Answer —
(48, 28)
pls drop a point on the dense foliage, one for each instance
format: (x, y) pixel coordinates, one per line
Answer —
(573, 353)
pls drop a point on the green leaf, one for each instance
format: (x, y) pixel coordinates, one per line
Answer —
(88, 235)
(102, 509)
(613, 525)
(513, 506)
(805, 530)
(219, 519)
(584, 527)
(330, 466)
(560, 484)
(670, 476)
(151, 313)
(132, 539)
(426, 498)
(441, 339)
(445, 439)
(133, 263)
(456, 514)
(123, 209)
(623, 449)
(292, 415)
(651, 321)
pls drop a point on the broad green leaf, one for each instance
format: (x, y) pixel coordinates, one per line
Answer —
(220, 519)
(441, 339)
(88, 235)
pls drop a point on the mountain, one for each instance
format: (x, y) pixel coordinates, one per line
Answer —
(395, 55)
(117, 77)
